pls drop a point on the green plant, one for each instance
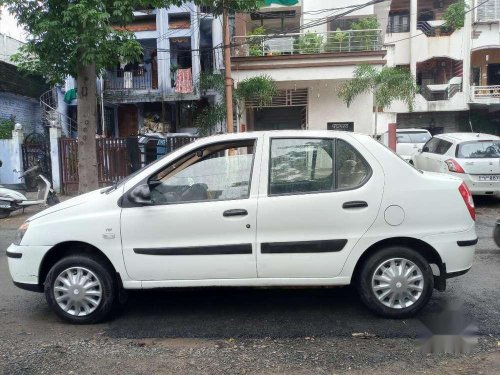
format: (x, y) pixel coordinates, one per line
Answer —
(6, 127)
(337, 41)
(255, 41)
(387, 85)
(260, 89)
(309, 43)
(454, 15)
(365, 35)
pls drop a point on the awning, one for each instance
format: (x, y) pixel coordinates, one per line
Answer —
(281, 2)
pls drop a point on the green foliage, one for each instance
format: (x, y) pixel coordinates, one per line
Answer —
(255, 39)
(365, 38)
(337, 41)
(387, 85)
(366, 23)
(260, 89)
(6, 127)
(454, 15)
(309, 43)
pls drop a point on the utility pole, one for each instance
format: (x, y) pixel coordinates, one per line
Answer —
(227, 70)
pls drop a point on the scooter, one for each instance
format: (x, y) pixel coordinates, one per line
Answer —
(12, 200)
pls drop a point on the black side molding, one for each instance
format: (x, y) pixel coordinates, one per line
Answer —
(13, 255)
(31, 287)
(198, 250)
(467, 243)
(327, 246)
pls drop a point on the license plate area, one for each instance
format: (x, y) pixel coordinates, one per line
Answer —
(489, 178)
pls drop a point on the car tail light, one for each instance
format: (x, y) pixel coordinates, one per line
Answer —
(469, 202)
(453, 166)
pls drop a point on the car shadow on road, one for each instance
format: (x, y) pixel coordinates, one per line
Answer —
(254, 313)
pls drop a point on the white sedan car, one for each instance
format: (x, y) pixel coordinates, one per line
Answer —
(408, 142)
(473, 157)
(284, 208)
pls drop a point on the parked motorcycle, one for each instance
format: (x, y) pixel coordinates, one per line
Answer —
(12, 199)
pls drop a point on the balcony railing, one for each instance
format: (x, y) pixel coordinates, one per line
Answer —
(135, 79)
(486, 93)
(308, 43)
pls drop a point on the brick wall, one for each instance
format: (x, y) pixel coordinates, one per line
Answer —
(26, 111)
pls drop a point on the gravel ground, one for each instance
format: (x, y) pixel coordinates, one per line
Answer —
(250, 331)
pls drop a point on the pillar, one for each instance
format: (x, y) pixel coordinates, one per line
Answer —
(54, 135)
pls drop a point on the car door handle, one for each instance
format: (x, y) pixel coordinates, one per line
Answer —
(236, 212)
(354, 204)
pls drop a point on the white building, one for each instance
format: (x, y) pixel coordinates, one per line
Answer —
(458, 71)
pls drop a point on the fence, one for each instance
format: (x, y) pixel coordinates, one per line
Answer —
(116, 157)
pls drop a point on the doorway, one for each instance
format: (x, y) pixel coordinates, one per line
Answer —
(493, 74)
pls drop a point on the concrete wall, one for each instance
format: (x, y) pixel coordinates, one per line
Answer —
(8, 47)
(25, 110)
(11, 156)
(486, 35)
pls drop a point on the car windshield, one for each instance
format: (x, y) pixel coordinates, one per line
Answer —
(413, 137)
(479, 150)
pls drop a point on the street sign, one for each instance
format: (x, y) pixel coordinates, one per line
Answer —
(344, 126)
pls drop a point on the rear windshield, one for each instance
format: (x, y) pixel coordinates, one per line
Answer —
(479, 150)
(413, 137)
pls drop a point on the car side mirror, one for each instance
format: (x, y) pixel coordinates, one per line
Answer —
(140, 195)
(425, 149)
(419, 150)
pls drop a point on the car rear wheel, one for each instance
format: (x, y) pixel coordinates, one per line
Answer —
(395, 282)
(80, 290)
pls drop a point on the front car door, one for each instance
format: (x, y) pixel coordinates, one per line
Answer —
(317, 198)
(202, 222)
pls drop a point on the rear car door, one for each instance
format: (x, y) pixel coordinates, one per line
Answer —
(317, 198)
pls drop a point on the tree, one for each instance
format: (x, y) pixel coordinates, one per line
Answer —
(79, 38)
(387, 85)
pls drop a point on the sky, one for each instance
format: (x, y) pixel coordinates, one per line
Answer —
(8, 26)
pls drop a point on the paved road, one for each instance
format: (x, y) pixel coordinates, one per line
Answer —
(258, 331)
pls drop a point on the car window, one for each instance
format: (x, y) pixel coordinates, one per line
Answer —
(301, 166)
(443, 146)
(352, 169)
(431, 146)
(479, 150)
(215, 172)
(413, 137)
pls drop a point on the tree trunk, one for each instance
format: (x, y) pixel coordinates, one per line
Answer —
(87, 127)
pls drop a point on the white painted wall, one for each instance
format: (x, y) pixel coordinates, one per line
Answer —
(11, 156)
(488, 35)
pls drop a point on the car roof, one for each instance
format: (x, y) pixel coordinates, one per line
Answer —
(412, 130)
(464, 137)
(288, 133)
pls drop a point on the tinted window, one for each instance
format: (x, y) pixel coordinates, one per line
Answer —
(301, 166)
(431, 146)
(352, 169)
(479, 149)
(443, 146)
(216, 172)
(413, 137)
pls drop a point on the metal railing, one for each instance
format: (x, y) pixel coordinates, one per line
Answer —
(485, 92)
(136, 79)
(307, 43)
(51, 116)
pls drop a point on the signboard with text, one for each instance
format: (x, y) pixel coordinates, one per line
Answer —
(343, 126)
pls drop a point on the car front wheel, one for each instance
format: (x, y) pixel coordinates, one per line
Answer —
(395, 282)
(80, 290)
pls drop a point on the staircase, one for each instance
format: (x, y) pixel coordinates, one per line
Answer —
(52, 117)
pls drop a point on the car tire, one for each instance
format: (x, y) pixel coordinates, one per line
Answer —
(496, 233)
(386, 289)
(80, 290)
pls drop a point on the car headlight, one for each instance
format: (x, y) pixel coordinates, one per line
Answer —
(20, 233)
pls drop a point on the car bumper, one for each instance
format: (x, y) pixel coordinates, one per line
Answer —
(479, 187)
(456, 250)
(24, 264)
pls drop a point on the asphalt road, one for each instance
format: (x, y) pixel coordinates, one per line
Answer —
(253, 331)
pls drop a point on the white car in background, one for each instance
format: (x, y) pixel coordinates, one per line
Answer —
(473, 157)
(408, 142)
(282, 208)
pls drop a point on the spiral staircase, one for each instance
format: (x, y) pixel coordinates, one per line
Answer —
(52, 117)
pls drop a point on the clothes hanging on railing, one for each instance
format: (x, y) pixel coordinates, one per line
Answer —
(184, 81)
